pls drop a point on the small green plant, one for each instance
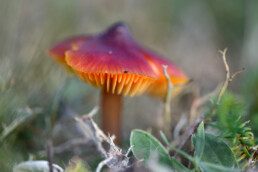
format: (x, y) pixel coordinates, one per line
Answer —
(233, 149)
(211, 152)
(228, 120)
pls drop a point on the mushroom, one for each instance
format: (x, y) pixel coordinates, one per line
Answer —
(119, 66)
(57, 52)
(159, 87)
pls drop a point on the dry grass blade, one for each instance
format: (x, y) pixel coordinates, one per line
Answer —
(24, 114)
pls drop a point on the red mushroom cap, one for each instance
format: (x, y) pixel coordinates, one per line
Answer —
(159, 87)
(114, 61)
(58, 50)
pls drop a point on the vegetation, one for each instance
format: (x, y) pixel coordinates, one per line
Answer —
(42, 106)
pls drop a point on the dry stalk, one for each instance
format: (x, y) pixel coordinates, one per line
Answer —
(49, 155)
(67, 146)
(112, 154)
(198, 102)
(225, 85)
(189, 133)
(167, 111)
(229, 78)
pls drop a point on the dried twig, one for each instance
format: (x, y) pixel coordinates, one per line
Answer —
(49, 155)
(190, 132)
(93, 111)
(193, 113)
(113, 156)
(129, 150)
(69, 145)
(236, 74)
(229, 78)
(225, 85)
(102, 164)
(92, 132)
(198, 102)
(167, 110)
(180, 124)
(202, 100)
(167, 117)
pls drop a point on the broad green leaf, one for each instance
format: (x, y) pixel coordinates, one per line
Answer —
(199, 141)
(145, 144)
(210, 167)
(216, 151)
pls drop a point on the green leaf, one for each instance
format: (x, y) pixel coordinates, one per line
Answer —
(36, 166)
(216, 151)
(199, 141)
(145, 144)
(210, 167)
(178, 166)
(175, 149)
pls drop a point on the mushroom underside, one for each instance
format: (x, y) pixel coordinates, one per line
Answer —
(125, 84)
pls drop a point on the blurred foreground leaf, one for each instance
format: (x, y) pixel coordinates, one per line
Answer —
(36, 166)
(211, 167)
(199, 140)
(145, 144)
(215, 151)
(76, 165)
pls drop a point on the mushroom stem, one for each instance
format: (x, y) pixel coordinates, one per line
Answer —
(111, 119)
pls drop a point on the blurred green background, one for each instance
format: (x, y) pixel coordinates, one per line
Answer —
(188, 32)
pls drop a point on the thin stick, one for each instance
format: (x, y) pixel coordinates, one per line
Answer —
(49, 156)
(167, 112)
(236, 74)
(113, 156)
(229, 78)
(93, 111)
(193, 112)
(225, 85)
(92, 133)
(189, 133)
(102, 164)
(198, 102)
(69, 145)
